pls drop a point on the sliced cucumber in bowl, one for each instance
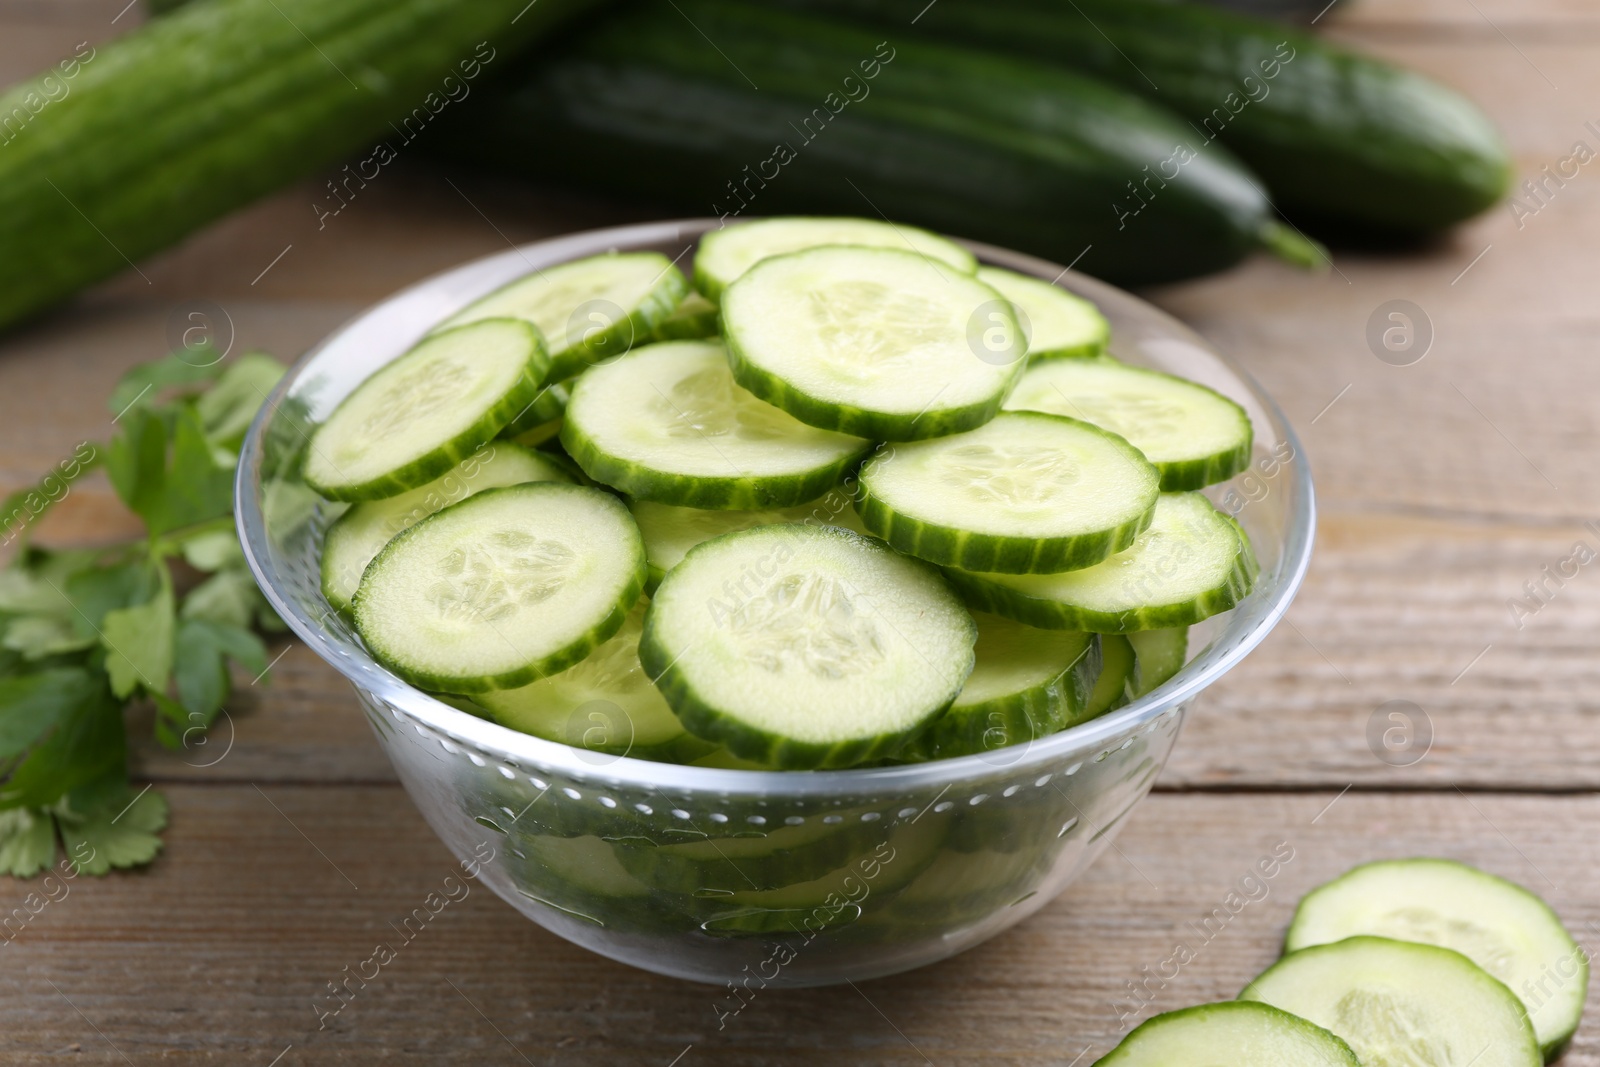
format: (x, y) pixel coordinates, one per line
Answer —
(671, 531)
(1056, 323)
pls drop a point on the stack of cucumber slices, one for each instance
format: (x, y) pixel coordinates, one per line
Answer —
(1398, 963)
(850, 499)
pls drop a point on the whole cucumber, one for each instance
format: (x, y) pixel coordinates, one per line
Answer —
(1344, 142)
(844, 122)
(125, 149)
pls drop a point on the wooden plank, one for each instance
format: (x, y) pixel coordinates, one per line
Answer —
(217, 953)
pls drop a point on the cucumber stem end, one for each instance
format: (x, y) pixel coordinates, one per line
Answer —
(1292, 246)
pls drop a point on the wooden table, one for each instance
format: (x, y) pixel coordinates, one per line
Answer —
(1445, 486)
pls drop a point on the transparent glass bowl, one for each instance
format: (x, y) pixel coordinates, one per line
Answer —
(748, 877)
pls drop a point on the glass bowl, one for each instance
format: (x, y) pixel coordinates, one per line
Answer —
(756, 878)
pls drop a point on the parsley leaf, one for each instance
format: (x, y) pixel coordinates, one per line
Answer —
(138, 644)
(122, 833)
(27, 842)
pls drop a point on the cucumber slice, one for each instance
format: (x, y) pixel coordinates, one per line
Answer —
(666, 422)
(1027, 493)
(806, 646)
(541, 412)
(1025, 683)
(670, 531)
(1191, 563)
(872, 341)
(694, 318)
(1239, 1033)
(1110, 690)
(1157, 656)
(587, 310)
(361, 532)
(1397, 1002)
(604, 703)
(726, 254)
(427, 411)
(1194, 436)
(1055, 322)
(751, 859)
(1497, 924)
(506, 586)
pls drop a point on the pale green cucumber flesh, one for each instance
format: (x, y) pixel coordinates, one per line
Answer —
(1056, 323)
(505, 587)
(1026, 493)
(1191, 563)
(361, 532)
(805, 646)
(1399, 1002)
(667, 422)
(1499, 925)
(1158, 655)
(1236, 1033)
(428, 410)
(589, 309)
(1111, 687)
(875, 342)
(1193, 435)
(726, 254)
(671, 531)
(604, 704)
(1025, 683)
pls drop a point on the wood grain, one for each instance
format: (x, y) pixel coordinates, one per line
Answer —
(217, 952)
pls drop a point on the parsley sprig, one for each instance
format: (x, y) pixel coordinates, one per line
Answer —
(86, 633)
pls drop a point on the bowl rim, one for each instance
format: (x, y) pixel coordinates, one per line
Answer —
(525, 750)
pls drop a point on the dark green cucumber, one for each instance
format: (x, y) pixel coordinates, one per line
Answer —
(204, 110)
(844, 122)
(1341, 139)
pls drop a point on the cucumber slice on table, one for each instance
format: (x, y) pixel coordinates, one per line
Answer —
(666, 422)
(671, 531)
(603, 703)
(1025, 683)
(806, 646)
(1191, 563)
(1239, 1033)
(1055, 322)
(425, 412)
(540, 413)
(361, 532)
(1193, 435)
(1397, 1002)
(695, 317)
(872, 341)
(726, 254)
(587, 310)
(1157, 656)
(1026, 493)
(1497, 924)
(506, 586)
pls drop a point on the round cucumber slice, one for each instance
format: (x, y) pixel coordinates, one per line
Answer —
(1055, 322)
(670, 531)
(1194, 436)
(603, 704)
(724, 255)
(1027, 493)
(1239, 1033)
(361, 532)
(1497, 924)
(1025, 683)
(506, 586)
(427, 411)
(1396, 1002)
(1158, 655)
(694, 318)
(748, 858)
(872, 341)
(540, 412)
(1110, 690)
(666, 422)
(805, 646)
(587, 310)
(1191, 563)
